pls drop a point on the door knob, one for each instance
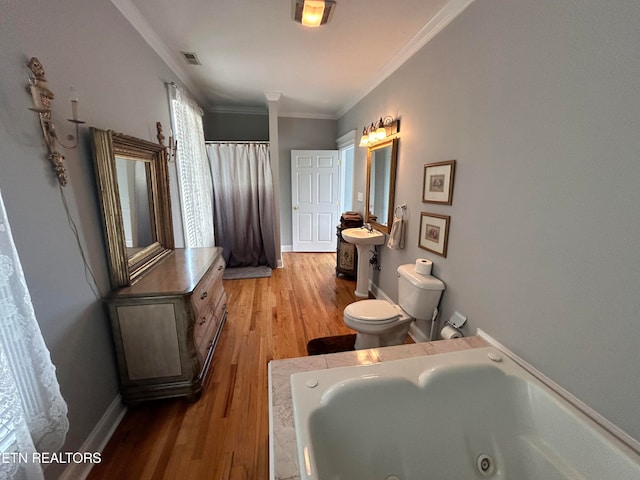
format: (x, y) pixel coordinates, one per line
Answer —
(295, 208)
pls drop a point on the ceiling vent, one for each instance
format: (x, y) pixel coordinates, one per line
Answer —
(191, 58)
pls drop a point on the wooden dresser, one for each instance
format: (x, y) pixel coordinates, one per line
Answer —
(166, 326)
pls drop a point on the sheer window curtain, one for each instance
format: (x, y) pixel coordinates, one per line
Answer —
(194, 177)
(33, 414)
(244, 207)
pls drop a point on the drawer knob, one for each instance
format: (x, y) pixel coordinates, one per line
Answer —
(220, 267)
(203, 296)
(204, 319)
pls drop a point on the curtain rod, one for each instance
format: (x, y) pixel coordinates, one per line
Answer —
(248, 142)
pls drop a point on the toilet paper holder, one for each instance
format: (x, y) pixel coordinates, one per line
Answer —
(457, 320)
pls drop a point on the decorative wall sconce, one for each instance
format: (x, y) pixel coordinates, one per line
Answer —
(170, 150)
(384, 129)
(42, 98)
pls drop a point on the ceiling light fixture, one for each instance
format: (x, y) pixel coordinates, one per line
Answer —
(313, 13)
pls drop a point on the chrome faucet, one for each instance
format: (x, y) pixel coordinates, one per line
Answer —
(368, 227)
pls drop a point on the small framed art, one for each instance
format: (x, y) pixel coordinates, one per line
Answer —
(438, 182)
(434, 232)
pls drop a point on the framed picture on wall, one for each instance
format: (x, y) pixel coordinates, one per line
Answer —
(434, 232)
(437, 186)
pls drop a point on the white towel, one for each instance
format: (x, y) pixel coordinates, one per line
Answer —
(396, 237)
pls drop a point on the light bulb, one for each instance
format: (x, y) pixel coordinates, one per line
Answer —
(312, 13)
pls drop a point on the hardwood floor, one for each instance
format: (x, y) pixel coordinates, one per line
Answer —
(225, 434)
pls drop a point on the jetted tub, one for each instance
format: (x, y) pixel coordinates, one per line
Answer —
(472, 414)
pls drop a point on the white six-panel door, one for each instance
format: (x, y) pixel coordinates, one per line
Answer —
(314, 200)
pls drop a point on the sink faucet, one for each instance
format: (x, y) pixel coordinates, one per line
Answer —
(368, 227)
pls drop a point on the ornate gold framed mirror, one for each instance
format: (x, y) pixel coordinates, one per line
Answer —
(381, 184)
(133, 184)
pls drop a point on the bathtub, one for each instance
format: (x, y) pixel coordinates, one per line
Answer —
(473, 414)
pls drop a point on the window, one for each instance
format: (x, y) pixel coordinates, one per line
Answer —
(194, 176)
(346, 148)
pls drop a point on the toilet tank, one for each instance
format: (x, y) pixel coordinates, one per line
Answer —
(418, 295)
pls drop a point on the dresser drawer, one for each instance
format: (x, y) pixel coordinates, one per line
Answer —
(207, 330)
(208, 318)
(203, 333)
(212, 282)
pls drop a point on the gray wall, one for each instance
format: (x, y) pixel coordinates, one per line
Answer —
(298, 134)
(236, 126)
(120, 84)
(538, 102)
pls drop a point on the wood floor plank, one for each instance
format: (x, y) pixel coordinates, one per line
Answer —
(225, 435)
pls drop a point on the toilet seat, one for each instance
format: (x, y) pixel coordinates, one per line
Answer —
(378, 312)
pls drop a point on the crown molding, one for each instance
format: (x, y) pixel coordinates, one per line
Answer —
(264, 111)
(146, 31)
(444, 17)
(239, 110)
(311, 116)
(273, 96)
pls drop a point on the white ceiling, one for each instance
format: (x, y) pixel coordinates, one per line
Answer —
(249, 47)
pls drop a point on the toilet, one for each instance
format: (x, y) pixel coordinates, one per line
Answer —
(380, 323)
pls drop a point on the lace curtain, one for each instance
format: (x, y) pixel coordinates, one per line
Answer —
(33, 414)
(194, 178)
(244, 206)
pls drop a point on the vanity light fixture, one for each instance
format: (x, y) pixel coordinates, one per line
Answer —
(364, 139)
(42, 98)
(313, 13)
(373, 137)
(383, 129)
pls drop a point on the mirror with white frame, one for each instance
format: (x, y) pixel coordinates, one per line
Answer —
(381, 183)
(132, 179)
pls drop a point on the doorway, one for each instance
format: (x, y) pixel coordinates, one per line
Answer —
(314, 199)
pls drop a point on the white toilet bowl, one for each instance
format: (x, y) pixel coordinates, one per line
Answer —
(379, 323)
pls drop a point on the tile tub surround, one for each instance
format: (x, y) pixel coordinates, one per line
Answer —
(282, 435)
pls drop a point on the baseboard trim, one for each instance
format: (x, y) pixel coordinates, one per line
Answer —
(417, 335)
(97, 439)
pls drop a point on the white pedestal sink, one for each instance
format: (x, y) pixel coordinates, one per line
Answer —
(362, 238)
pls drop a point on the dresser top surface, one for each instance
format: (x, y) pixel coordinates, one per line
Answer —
(178, 274)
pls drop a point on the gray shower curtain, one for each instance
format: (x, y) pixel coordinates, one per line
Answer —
(243, 203)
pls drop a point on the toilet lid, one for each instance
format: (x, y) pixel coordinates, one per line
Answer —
(372, 311)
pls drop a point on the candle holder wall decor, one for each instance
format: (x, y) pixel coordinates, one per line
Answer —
(170, 150)
(42, 99)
